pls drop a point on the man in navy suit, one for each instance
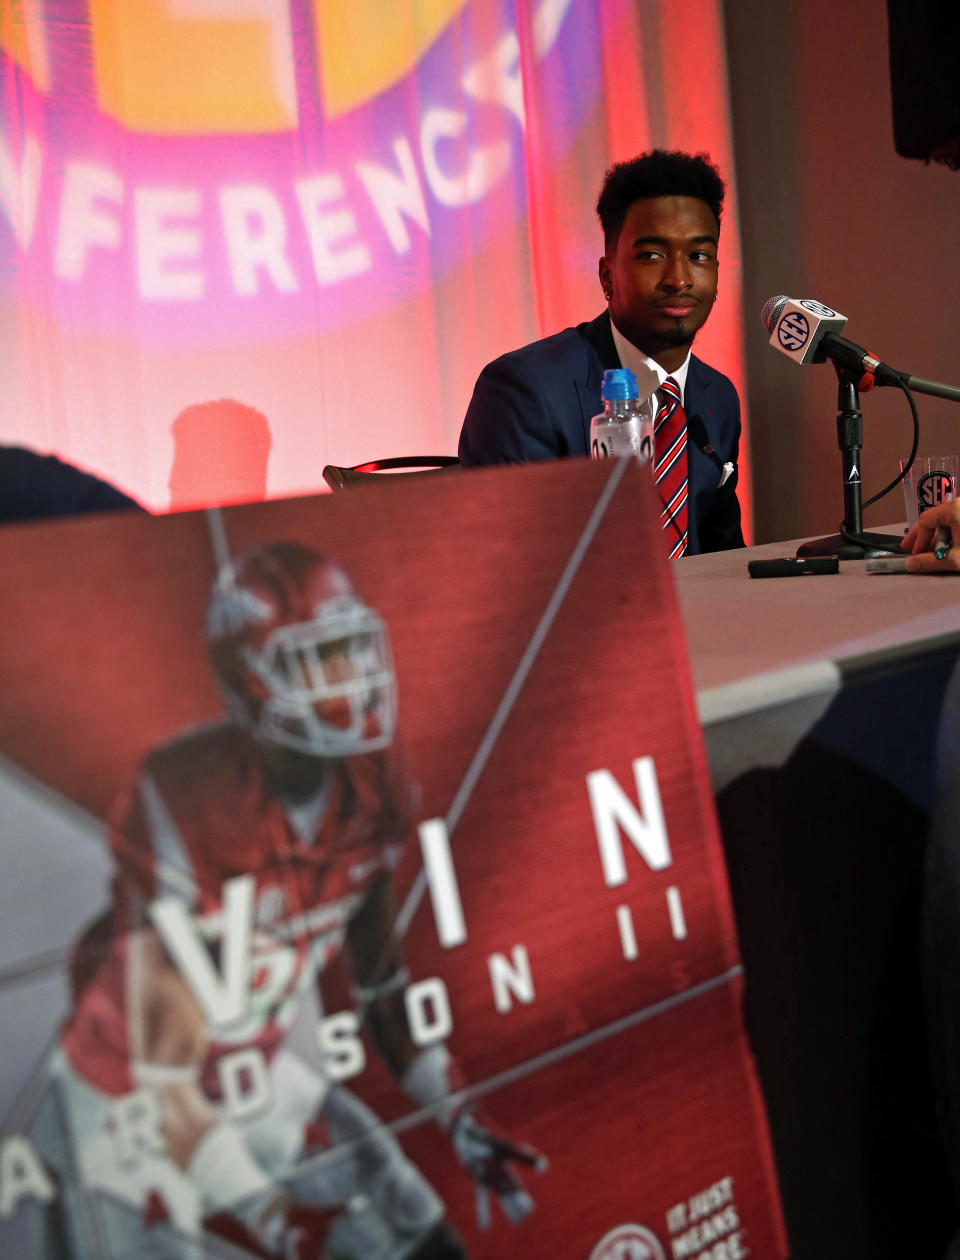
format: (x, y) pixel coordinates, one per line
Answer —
(660, 215)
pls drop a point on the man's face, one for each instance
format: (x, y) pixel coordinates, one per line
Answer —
(662, 277)
(298, 773)
(331, 665)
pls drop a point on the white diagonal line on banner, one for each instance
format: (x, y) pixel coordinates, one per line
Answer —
(25, 797)
(46, 801)
(527, 1067)
(46, 798)
(558, 1053)
(514, 687)
(48, 807)
(219, 542)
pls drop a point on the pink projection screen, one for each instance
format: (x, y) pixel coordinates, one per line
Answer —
(241, 239)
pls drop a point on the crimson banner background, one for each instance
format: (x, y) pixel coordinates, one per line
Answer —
(633, 1064)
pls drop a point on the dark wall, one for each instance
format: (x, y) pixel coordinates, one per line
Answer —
(828, 210)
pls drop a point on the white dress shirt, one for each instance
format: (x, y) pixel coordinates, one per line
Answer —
(650, 375)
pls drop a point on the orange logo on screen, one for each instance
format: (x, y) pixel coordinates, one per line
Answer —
(22, 38)
(208, 67)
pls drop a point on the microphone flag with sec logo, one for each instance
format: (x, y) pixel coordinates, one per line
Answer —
(808, 331)
(798, 325)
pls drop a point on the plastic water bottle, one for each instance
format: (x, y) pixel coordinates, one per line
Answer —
(625, 426)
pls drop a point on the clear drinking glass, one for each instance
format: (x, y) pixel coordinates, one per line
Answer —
(931, 480)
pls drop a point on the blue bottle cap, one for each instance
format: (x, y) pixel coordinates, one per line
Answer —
(618, 384)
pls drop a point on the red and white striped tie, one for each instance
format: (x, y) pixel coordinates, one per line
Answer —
(670, 464)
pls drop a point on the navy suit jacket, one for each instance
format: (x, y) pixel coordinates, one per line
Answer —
(537, 403)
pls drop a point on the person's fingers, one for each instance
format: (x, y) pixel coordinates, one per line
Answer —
(927, 562)
(922, 537)
(946, 513)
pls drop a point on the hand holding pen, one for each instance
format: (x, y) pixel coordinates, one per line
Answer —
(935, 540)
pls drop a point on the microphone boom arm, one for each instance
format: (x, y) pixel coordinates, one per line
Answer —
(922, 386)
(847, 355)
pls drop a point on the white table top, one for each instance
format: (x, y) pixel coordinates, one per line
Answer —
(740, 627)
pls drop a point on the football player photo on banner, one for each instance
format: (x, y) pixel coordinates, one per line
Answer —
(363, 897)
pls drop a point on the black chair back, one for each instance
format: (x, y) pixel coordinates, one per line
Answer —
(338, 478)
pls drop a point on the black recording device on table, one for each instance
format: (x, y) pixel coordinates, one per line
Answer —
(793, 566)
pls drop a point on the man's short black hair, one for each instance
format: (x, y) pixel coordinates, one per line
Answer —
(659, 173)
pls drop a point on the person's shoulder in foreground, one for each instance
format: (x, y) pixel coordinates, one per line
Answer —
(34, 487)
(660, 214)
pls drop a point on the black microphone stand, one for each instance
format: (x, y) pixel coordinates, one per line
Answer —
(852, 544)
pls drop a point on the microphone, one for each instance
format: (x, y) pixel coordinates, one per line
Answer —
(809, 332)
(697, 433)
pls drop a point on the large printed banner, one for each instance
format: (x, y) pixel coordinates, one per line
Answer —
(362, 889)
(241, 239)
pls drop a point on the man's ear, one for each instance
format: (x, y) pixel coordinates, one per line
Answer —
(603, 270)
